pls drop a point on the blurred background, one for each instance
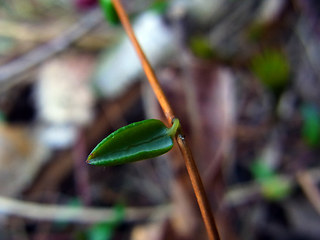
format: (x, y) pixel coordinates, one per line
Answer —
(242, 77)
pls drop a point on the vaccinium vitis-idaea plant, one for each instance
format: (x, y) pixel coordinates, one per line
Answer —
(137, 141)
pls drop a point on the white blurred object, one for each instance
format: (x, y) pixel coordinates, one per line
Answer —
(58, 136)
(64, 99)
(201, 10)
(121, 67)
(269, 10)
(63, 91)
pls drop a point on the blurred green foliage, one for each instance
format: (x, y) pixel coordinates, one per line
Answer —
(160, 6)
(260, 170)
(310, 125)
(256, 32)
(273, 187)
(2, 117)
(272, 68)
(200, 47)
(109, 12)
(105, 230)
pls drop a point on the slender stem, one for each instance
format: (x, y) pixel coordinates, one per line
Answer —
(144, 62)
(198, 189)
(184, 148)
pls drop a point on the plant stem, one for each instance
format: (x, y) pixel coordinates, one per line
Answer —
(144, 62)
(172, 132)
(184, 148)
(198, 189)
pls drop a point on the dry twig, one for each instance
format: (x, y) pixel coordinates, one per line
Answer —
(51, 212)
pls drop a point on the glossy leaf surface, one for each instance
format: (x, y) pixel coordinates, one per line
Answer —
(137, 141)
(109, 12)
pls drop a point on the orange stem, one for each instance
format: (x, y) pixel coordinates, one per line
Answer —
(144, 62)
(184, 148)
(198, 189)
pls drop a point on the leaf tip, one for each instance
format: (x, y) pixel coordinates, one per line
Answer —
(90, 157)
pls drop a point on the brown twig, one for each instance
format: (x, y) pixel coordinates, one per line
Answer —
(198, 189)
(185, 150)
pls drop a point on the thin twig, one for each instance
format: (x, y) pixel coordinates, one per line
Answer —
(50, 212)
(185, 150)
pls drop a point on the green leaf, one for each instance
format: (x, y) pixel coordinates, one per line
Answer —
(109, 11)
(311, 125)
(137, 141)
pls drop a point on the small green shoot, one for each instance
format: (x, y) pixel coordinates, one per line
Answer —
(137, 141)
